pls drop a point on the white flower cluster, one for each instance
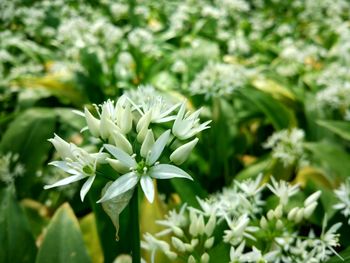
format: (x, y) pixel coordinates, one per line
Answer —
(287, 146)
(336, 97)
(257, 235)
(10, 168)
(343, 195)
(133, 144)
(218, 79)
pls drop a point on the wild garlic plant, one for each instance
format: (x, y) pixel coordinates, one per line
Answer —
(140, 141)
(255, 231)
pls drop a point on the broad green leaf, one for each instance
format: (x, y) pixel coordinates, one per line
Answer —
(332, 156)
(63, 241)
(341, 128)
(221, 252)
(16, 239)
(90, 236)
(27, 135)
(279, 115)
(254, 169)
(275, 89)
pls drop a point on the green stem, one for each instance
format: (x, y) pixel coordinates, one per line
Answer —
(135, 227)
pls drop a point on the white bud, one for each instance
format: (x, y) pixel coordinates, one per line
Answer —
(309, 209)
(92, 123)
(193, 229)
(191, 259)
(279, 224)
(62, 147)
(205, 258)
(105, 118)
(147, 143)
(171, 255)
(270, 214)
(182, 153)
(121, 142)
(126, 120)
(178, 244)
(142, 134)
(299, 216)
(210, 226)
(189, 248)
(278, 211)
(144, 121)
(312, 198)
(118, 166)
(200, 225)
(209, 243)
(292, 213)
(263, 223)
(178, 231)
(194, 242)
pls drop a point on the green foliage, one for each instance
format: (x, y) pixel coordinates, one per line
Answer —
(63, 241)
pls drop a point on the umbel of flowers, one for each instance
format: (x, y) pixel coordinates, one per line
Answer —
(140, 141)
(134, 142)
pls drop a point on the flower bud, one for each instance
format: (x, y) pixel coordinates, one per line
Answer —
(178, 244)
(144, 122)
(312, 198)
(92, 123)
(292, 213)
(191, 259)
(299, 216)
(263, 223)
(210, 226)
(121, 142)
(200, 225)
(177, 231)
(170, 254)
(309, 209)
(142, 134)
(125, 120)
(209, 243)
(147, 143)
(279, 224)
(105, 118)
(278, 211)
(118, 166)
(205, 258)
(270, 214)
(182, 153)
(62, 147)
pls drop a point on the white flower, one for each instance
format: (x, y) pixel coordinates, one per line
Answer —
(77, 162)
(153, 244)
(239, 229)
(143, 171)
(283, 190)
(343, 195)
(187, 125)
(287, 145)
(173, 222)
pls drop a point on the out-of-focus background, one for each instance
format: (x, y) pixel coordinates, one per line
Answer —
(273, 76)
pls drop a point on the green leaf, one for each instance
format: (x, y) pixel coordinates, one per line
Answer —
(279, 115)
(220, 251)
(63, 241)
(27, 135)
(341, 128)
(90, 236)
(332, 156)
(16, 239)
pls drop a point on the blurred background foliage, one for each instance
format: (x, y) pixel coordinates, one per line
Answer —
(256, 67)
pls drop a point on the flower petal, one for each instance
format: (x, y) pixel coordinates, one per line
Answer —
(66, 181)
(63, 166)
(122, 156)
(86, 187)
(147, 187)
(158, 148)
(120, 186)
(168, 171)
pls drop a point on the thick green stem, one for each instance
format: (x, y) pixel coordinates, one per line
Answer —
(135, 227)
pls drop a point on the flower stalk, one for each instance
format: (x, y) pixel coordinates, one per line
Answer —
(135, 227)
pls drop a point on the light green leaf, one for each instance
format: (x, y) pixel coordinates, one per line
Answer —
(63, 241)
